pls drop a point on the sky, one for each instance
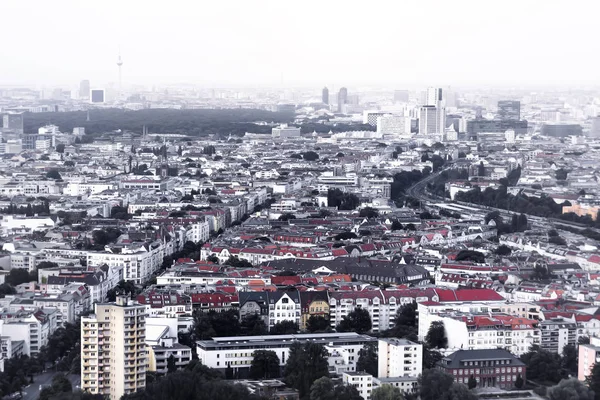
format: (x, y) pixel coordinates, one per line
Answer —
(220, 43)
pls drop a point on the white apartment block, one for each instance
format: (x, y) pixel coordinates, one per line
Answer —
(197, 232)
(396, 125)
(237, 351)
(476, 332)
(138, 263)
(399, 357)
(113, 349)
(286, 308)
(362, 381)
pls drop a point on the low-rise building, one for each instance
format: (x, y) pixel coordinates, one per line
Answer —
(489, 367)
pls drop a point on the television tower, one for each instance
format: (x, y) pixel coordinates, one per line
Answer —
(120, 64)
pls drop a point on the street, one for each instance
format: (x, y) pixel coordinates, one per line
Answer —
(32, 392)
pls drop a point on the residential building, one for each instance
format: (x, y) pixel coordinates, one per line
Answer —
(113, 349)
(362, 381)
(557, 333)
(285, 132)
(399, 357)
(237, 351)
(489, 367)
(313, 303)
(589, 354)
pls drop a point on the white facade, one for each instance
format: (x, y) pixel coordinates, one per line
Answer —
(362, 381)
(137, 266)
(285, 309)
(285, 131)
(396, 125)
(432, 120)
(399, 357)
(237, 351)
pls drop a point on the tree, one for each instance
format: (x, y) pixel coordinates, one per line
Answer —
(558, 240)
(310, 156)
(436, 335)
(286, 217)
(253, 325)
(213, 259)
(458, 391)
(503, 250)
(171, 365)
(472, 383)
(569, 358)
(358, 321)
(235, 262)
(571, 389)
(285, 327)
(542, 365)
(324, 389)
(519, 382)
(387, 392)
(60, 383)
(434, 384)
(561, 174)
(345, 236)
(470, 255)
(481, 169)
(593, 379)
(368, 359)
(60, 148)
(369, 212)
(306, 363)
(265, 365)
(430, 357)
(342, 200)
(53, 174)
(317, 323)
(396, 225)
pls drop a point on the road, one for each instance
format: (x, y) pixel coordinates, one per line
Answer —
(418, 191)
(32, 392)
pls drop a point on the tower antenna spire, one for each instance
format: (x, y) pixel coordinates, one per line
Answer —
(120, 64)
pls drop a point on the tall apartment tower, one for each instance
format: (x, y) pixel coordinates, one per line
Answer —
(84, 89)
(434, 97)
(432, 120)
(113, 349)
(325, 96)
(342, 98)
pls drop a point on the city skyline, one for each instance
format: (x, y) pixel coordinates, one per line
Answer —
(208, 45)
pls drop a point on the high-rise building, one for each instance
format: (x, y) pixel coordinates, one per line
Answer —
(509, 110)
(342, 98)
(434, 97)
(432, 120)
(325, 96)
(401, 96)
(84, 89)
(595, 130)
(97, 96)
(399, 357)
(113, 349)
(13, 121)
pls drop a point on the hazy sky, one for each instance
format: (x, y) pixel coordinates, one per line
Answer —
(308, 42)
